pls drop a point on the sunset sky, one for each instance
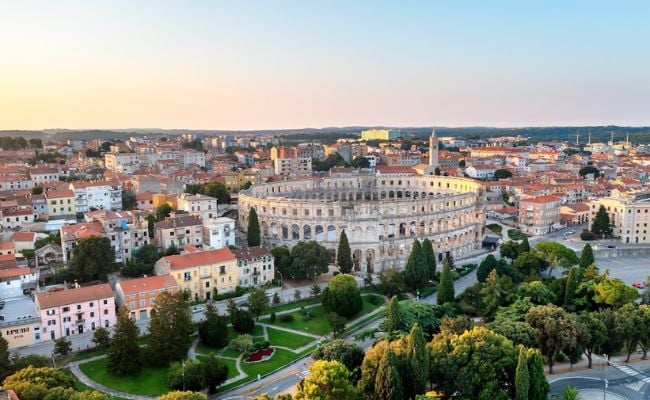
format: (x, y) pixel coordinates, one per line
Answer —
(305, 63)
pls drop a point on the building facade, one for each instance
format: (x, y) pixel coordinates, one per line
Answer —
(139, 295)
(219, 233)
(629, 216)
(539, 215)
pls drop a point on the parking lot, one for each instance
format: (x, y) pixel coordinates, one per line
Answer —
(628, 269)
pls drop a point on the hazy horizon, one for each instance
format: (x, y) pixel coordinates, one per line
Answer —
(253, 65)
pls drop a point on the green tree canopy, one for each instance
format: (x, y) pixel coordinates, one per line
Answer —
(502, 174)
(253, 232)
(416, 273)
(556, 254)
(124, 353)
(347, 353)
(257, 302)
(446, 291)
(342, 296)
(586, 256)
(343, 254)
(486, 266)
(429, 258)
(308, 259)
(327, 380)
(169, 328)
(537, 291)
(589, 169)
(601, 226)
(92, 259)
(556, 330)
(388, 382)
(213, 331)
(538, 383)
(522, 380)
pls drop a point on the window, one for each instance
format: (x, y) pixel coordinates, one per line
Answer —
(132, 304)
(66, 309)
(143, 303)
(92, 314)
(105, 312)
(222, 269)
(78, 307)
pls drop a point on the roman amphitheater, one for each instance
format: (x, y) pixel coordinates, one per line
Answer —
(381, 215)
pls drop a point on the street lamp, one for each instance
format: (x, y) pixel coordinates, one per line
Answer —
(281, 279)
(605, 374)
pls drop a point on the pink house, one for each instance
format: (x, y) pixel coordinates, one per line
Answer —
(71, 311)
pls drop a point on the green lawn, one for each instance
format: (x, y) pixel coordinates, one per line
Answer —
(516, 234)
(496, 228)
(232, 367)
(203, 349)
(291, 306)
(280, 358)
(80, 387)
(148, 382)
(287, 339)
(227, 352)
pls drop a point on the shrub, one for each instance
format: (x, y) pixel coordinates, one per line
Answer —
(272, 319)
(286, 317)
(587, 235)
(342, 295)
(373, 300)
(242, 321)
(257, 345)
(242, 343)
(266, 344)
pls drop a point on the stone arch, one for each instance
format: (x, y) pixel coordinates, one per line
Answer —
(318, 233)
(370, 260)
(331, 233)
(391, 231)
(357, 234)
(371, 234)
(285, 231)
(265, 229)
(402, 229)
(412, 229)
(274, 230)
(307, 232)
(295, 232)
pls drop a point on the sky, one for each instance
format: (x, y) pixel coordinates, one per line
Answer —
(273, 64)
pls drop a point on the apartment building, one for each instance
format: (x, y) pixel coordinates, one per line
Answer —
(629, 216)
(200, 272)
(179, 230)
(20, 322)
(71, 234)
(15, 281)
(219, 233)
(539, 215)
(43, 175)
(61, 203)
(483, 172)
(98, 195)
(127, 231)
(139, 295)
(255, 266)
(128, 163)
(68, 312)
(198, 204)
(293, 166)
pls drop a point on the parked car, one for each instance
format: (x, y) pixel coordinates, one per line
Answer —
(611, 246)
(639, 285)
(198, 309)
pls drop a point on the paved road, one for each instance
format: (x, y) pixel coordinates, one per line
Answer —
(624, 381)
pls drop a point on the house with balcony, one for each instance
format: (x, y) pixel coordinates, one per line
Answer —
(219, 233)
(255, 266)
(139, 295)
(97, 195)
(539, 215)
(66, 312)
(179, 230)
(198, 204)
(200, 272)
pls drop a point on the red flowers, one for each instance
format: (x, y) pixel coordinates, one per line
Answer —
(260, 355)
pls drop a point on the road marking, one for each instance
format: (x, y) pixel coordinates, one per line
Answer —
(574, 377)
(636, 385)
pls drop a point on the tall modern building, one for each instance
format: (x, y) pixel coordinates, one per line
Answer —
(433, 149)
(379, 134)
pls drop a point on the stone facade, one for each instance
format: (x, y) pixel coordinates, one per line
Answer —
(380, 214)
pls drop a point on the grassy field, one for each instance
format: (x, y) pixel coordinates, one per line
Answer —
(516, 234)
(232, 367)
(291, 306)
(280, 358)
(287, 339)
(148, 382)
(496, 228)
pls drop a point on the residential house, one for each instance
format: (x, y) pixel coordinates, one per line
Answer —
(255, 266)
(97, 195)
(61, 203)
(178, 230)
(139, 295)
(539, 215)
(198, 204)
(219, 233)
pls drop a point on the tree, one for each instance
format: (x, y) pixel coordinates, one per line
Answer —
(586, 256)
(524, 246)
(462, 164)
(337, 322)
(242, 321)
(502, 174)
(163, 211)
(37, 189)
(632, 327)
(437, 171)
(390, 282)
(367, 280)
(509, 250)
(446, 287)
(213, 331)
(151, 220)
(282, 259)
(242, 343)
(613, 292)
(429, 258)
(556, 330)
(572, 282)
(522, 384)
(187, 395)
(124, 353)
(495, 293)
(62, 347)
(485, 267)
(276, 299)
(297, 295)
(101, 338)
(315, 290)
(257, 302)
(342, 296)
(253, 233)
(416, 274)
(93, 258)
(128, 200)
(213, 372)
(477, 364)
(360, 162)
(418, 362)
(388, 383)
(348, 354)
(327, 380)
(556, 254)
(308, 259)
(392, 322)
(601, 226)
(343, 254)
(520, 333)
(169, 328)
(596, 333)
(36, 383)
(589, 169)
(186, 375)
(537, 291)
(538, 384)
(4, 357)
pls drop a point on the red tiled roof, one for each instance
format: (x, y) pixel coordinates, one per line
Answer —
(251, 253)
(542, 199)
(72, 296)
(155, 282)
(60, 194)
(25, 236)
(199, 258)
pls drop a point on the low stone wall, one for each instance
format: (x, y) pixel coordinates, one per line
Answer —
(604, 252)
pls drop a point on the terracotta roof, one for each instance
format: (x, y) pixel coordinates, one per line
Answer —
(78, 231)
(178, 221)
(8, 261)
(580, 207)
(144, 196)
(23, 236)
(199, 258)
(7, 245)
(60, 194)
(73, 296)
(251, 253)
(149, 283)
(13, 272)
(83, 184)
(542, 199)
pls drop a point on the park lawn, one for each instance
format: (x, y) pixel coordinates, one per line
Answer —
(516, 234)
(287, 339)
(228, 352)
(280, 358)
(496, 228)
(291, 306)
(148, 382)
(231, 364)
(368, 306)
(84, 355)
(204, 349)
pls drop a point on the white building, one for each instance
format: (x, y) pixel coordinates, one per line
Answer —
(198, 204)
(480, 171)
(130, 162)
(219, 233)
(14, 280)
(98, 195)
(293, 166)
(254, 266)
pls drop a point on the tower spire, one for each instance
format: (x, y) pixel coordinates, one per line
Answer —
(433, 149)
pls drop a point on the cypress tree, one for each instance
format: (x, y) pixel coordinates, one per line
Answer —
(392, 315)
(570, 288)
(587, 256)
(446, 287)
(253, 234)
(429, 258)
(524, 246)
(415, 273)
(418, 360)
(538, 385)
(388, 383)
(601, 225)
(522, 383)
(485, 267)
(343, 254)
(124, 354)
(4, 356)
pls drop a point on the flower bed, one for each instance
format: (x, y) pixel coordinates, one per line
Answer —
(260, 355)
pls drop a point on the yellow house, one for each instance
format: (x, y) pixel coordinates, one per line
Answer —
(60, 202)
(201, 271)
(160, 199)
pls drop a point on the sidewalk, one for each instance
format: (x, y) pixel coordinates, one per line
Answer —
(74, 368)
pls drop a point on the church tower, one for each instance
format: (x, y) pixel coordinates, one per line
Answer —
(433, 149)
